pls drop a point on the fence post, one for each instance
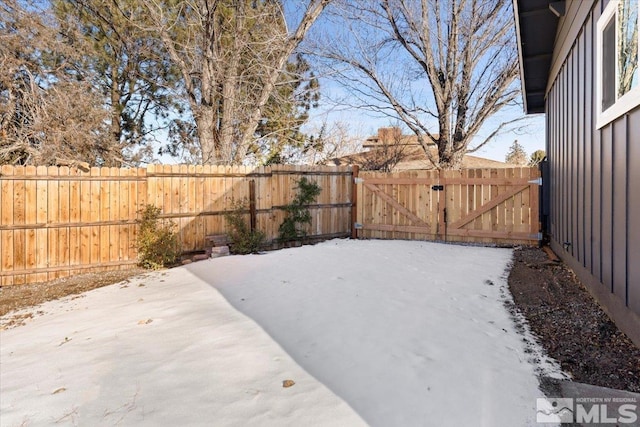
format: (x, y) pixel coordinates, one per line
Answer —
(354, 201)
(252, 203)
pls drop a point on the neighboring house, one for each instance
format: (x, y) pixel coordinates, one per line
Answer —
(579, 65)
(404, 152)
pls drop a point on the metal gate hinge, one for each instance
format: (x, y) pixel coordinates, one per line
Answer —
(437, 187)
(357, 226)
(536, 181)
(358, 180)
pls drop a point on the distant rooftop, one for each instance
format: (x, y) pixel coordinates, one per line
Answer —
(414, 158)
(390, 136)
(412, 155)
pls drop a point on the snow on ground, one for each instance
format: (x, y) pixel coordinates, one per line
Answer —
(385, 333)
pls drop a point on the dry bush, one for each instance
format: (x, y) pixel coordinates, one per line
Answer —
(157, 241)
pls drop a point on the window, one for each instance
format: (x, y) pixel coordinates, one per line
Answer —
(618, 81)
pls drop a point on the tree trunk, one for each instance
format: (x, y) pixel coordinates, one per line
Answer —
(449, 158)
(116, 126)
(207, 134)
(230, 91)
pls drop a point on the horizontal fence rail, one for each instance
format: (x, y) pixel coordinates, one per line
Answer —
(60, 221)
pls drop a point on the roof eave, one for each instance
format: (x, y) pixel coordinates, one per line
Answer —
(536, 28)
(520, 56)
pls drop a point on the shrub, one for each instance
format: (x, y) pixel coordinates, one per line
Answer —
(298, 212)
(157, 241)
(243, 239)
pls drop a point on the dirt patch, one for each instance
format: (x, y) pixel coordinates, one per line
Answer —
(17, 297)
(570, 325)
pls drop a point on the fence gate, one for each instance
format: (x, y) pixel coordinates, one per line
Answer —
(475, 205)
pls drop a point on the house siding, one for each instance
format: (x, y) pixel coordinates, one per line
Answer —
(633, 213)
(594, 174)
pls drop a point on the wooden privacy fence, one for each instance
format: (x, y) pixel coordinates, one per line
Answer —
(496, 206)
(59, 221)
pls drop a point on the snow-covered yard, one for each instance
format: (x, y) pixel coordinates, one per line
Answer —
(385, 333)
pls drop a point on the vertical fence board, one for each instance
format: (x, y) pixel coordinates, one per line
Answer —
(73, 218)
(104, 211)
(534, 204)
(138, 198)
(94, 218)
(25, 213)
(85, 219)
(509, 204)
(7, 247)
(114, 215)
(123, 215)
(64, 200)
(14, 198)
(198, 205)
(51, 216)
(41, 247)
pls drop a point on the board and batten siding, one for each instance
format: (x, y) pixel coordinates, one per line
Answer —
(594, 174)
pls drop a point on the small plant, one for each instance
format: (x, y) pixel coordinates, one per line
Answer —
(298, 211)
(157, 241)
(243, 239)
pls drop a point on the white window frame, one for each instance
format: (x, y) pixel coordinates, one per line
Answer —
(629, 100)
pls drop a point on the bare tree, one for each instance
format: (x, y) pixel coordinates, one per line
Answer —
(444, 64)
(231, 54)
(48, 112)
(627, 45)
(329, 141)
